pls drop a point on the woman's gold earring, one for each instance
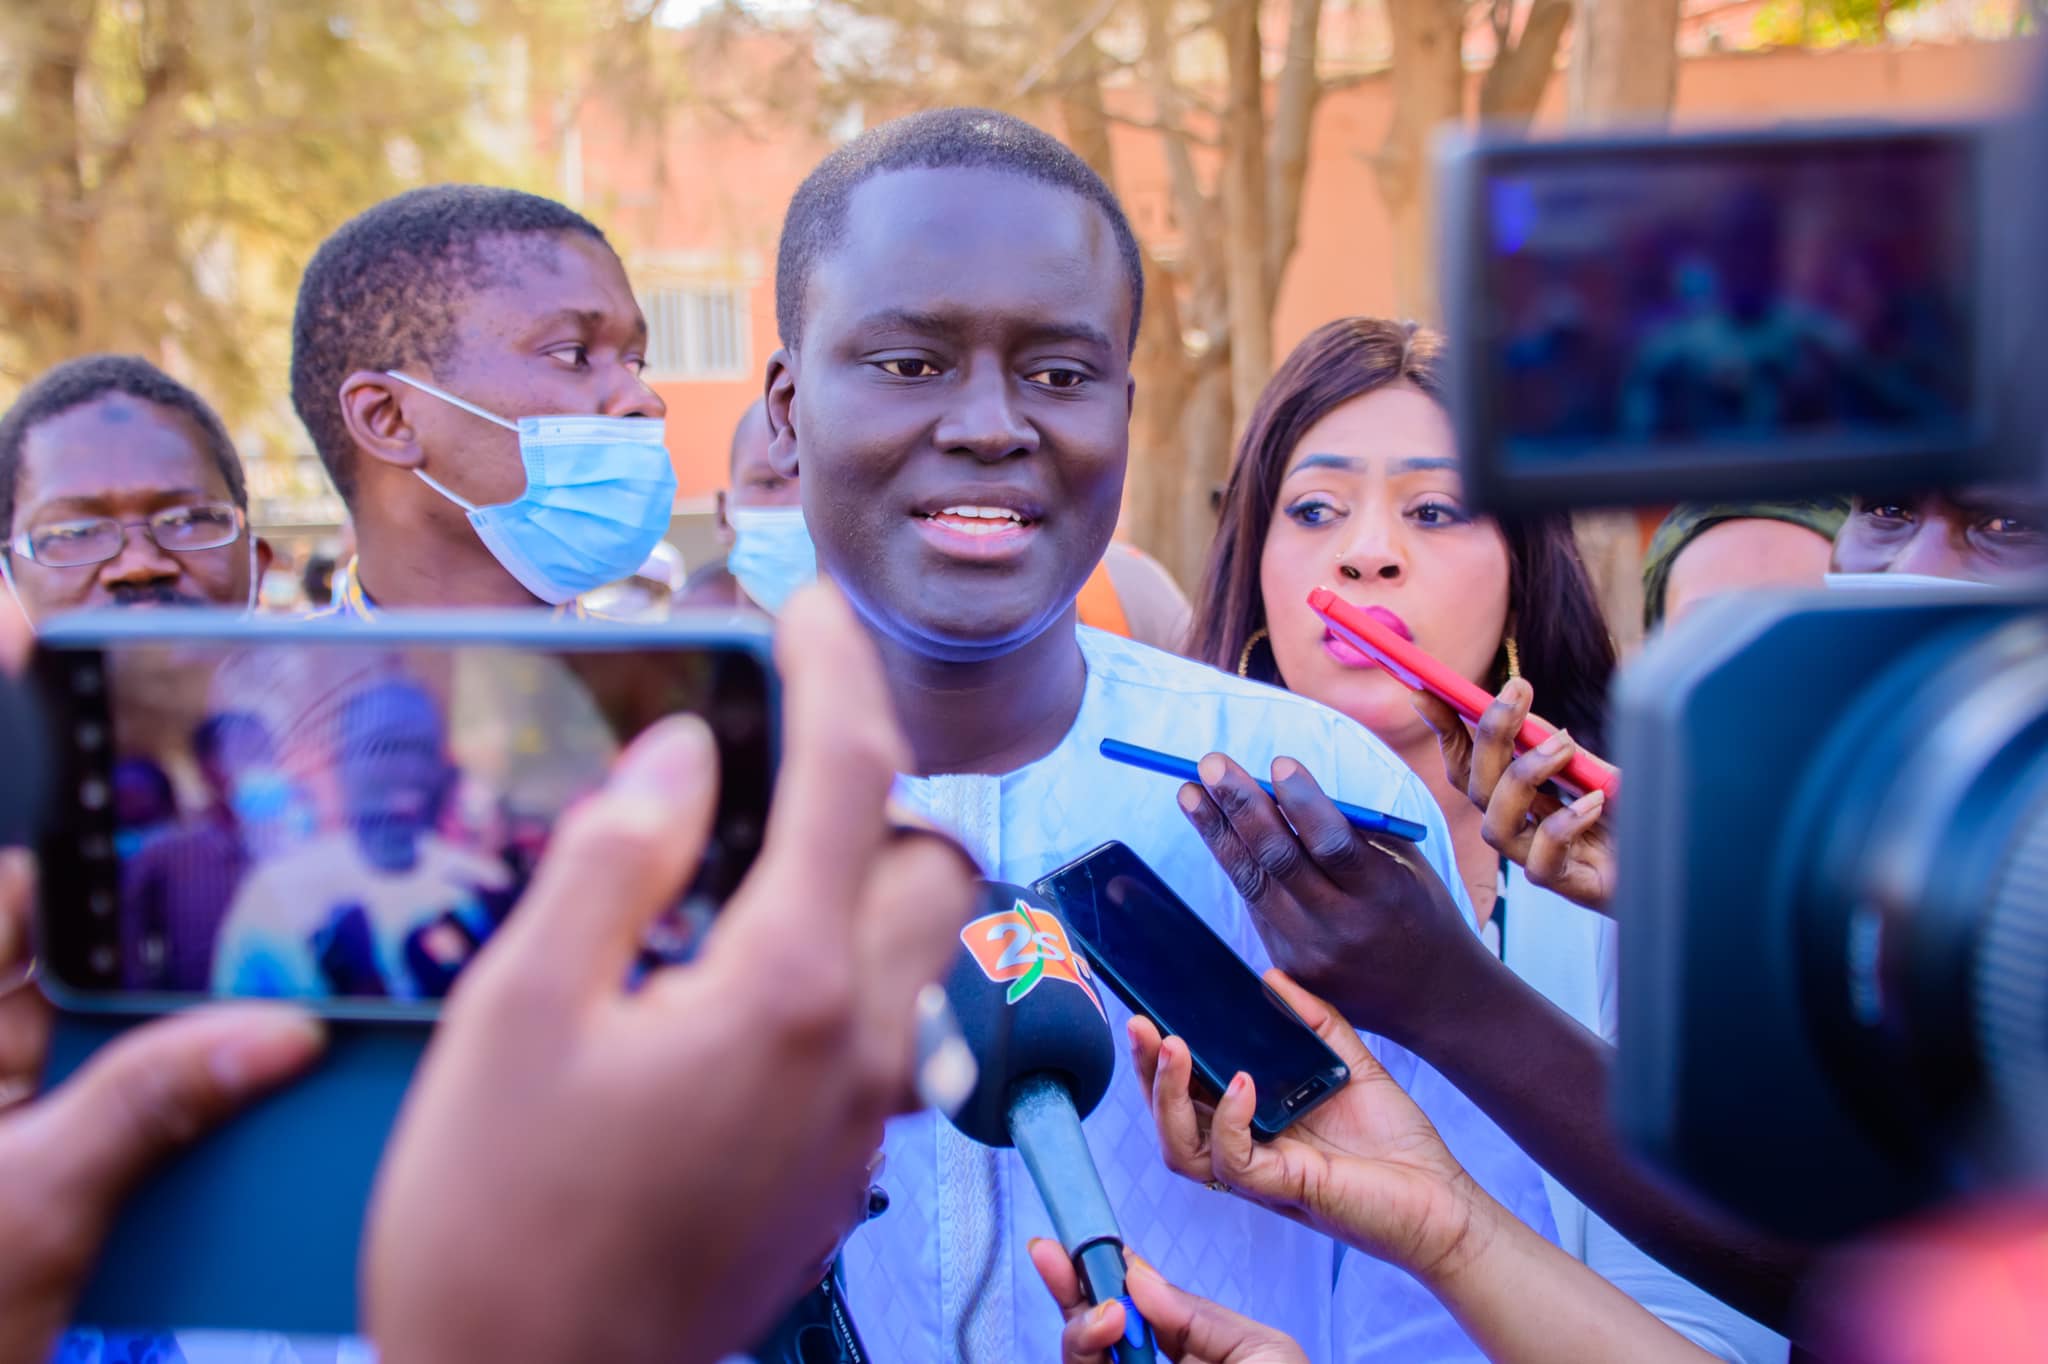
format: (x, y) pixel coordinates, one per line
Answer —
(1514, 658)
(1244, 660)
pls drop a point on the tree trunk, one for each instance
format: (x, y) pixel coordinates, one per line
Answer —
(1429, 90)
(1624, 70)
(59, 278)
(1243, 192)
(1625, 61)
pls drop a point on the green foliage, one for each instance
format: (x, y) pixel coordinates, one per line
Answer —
(166, 166)
(1828, 23)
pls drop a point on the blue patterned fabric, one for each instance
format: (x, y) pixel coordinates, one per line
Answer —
(957, 1210)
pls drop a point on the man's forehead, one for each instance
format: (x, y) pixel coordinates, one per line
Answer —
(115, 444)
(529, 276)
(916, 239)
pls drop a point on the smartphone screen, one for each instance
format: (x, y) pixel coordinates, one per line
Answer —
(348, 812)
(1166, 963)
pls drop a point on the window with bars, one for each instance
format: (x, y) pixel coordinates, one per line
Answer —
(697, 331)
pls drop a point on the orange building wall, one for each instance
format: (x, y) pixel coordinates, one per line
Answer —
(706, 195)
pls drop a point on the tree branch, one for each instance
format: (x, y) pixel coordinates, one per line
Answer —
(1054, 60)
(1520, 73)
(1174, 132)
(1294, 109)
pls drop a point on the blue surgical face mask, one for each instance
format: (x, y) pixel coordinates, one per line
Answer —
(599, 491)
(772, 554)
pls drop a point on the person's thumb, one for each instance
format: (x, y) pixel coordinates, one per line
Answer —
(151, 1092)
(1190, 1327)
(1452, 738)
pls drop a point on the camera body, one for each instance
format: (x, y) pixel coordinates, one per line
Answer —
(1833, 831)
(1834, 892)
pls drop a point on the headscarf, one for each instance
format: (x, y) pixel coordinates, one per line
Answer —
(1690, 520)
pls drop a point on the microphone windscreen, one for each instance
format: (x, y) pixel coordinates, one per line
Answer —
(1027, 1004)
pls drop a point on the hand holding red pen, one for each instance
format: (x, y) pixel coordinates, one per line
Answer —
(1564, 848)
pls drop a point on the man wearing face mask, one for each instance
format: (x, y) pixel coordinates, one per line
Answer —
(761, 520)
(467, 361)
(119, 487)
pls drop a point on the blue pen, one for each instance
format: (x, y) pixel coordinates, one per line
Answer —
(1372, 821)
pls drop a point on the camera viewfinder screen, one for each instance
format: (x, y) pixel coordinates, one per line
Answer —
(352, 822)
(1752, 298)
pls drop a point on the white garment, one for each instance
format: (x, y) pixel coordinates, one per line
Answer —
(915, 1272)
(266, 941)
(1570, 954)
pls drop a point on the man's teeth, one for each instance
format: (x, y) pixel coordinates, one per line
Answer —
(980, 520)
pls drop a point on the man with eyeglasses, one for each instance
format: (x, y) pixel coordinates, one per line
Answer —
(119, 487)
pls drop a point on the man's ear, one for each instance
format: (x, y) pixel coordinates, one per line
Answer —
(265, 557)
(781, 404)
(373, 410)
(719, 521)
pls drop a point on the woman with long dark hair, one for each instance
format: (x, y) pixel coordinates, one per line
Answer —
(1347, 478)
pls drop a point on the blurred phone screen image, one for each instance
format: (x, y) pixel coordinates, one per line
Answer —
(355, 822)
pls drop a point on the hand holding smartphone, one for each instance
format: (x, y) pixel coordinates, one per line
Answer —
(340, 815)
(1419, 671)
(1165, 963)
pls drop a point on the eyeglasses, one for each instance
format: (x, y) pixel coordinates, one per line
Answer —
(94, 540)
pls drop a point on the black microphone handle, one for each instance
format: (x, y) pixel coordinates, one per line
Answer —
(1047, 1131)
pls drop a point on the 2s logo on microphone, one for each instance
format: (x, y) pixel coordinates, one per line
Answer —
(1026, 947)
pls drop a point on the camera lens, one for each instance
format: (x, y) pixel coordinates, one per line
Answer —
(92, 794)
(1925, 916)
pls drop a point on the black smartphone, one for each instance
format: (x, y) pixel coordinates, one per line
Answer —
(1164, 962)
(339, 814)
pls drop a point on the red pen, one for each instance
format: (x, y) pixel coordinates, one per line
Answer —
(1420, 672)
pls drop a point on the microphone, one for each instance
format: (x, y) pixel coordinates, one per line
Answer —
(1028, 1008)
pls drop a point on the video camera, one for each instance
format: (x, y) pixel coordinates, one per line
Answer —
(1833, 827)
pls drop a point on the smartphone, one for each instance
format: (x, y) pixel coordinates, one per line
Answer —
(339, 814)
(1164, 962)
(1420, 671)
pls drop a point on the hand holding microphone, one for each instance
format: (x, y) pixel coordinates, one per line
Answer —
(1187, 1328)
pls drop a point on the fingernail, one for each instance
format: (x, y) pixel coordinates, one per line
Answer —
(1518, 690)
(1238, 1083)
(1588, 803)
(1034, 1242)
(1285, 769)
(1190, 798)
(266, 1050)
(673, 757)
(1211, 769)
(1555, 744)
(1138, 1266)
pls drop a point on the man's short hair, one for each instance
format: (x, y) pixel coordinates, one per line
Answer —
(939, 139)
(78, 382)
(382, 293)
